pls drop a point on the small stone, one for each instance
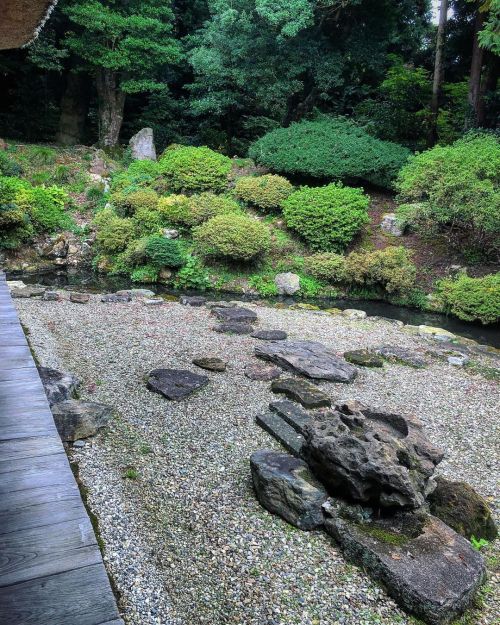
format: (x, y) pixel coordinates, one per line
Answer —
(364, 358)
(211, 364)
(80, 419)
(235, 314)
(153, 301)
(262, 372)
(79, 298)
(195, 300)
(79, 444)
(401, 355)
(233, 328)
(302, 391)
(391, 225)
(51, 296)
(458, 361)
(284, 433)
(287, 283)
(285, 486)
(142, 145)
(136, 293)
(170, 233)
(437, 333)
(219, 304)
(113, 298)
(175, 384)
(353, 313)
(270, 335)
(58, 386)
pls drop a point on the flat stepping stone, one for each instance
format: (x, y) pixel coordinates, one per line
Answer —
(262, 372)
(364, 358)
(79, 298)
(401, 355)
(113, 298)
(135, 293)
(302, 391)
(51, 296)
(158, 301)
(211, 364)
(234, 328)
(285, 486)
(270, 335)
(175, 384)
(292, 413)
(194, 300)
(235, 314)
(279, 429)
(309, 358)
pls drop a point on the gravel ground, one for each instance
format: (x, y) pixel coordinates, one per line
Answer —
(185, 540)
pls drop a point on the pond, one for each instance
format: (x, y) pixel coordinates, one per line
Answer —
(93, 282)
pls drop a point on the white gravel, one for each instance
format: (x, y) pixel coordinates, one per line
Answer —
(186, 542)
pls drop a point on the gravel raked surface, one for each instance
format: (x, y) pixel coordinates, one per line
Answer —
(186, 542)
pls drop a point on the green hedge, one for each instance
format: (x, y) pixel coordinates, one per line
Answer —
(191, 169)
(265, 192)
(472, 299)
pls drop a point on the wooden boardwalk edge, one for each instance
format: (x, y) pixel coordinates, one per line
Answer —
(51, 568)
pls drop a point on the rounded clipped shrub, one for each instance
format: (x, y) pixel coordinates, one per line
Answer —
(265, 192)
(390, 269)
(46, 206)
(330, 147)
(162, 252)
(194, 169)
(327, 218)
(327, 266)
(126, 204)
(114, 233)
(175, 210)
(234, 237)
(472, 299)
(207, 205)
(8, 166)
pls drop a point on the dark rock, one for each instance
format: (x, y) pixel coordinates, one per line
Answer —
(274, 425)
(292, 413)
(372, 456)
(175, 384)
(79, 298)
(458, 505)
(364, 358)
(220, 304)
(270, 335)
(284, 486)
(302, 391)
(262, 372)
(27, 291)
(401, 355)
(51, 296)
(195, 300)
(212, 364)
(80, 419)
(58, 386)
(113, 298)
(235, 314)
(57, 248)
(234, 328)
(308, 358)
(426, 567)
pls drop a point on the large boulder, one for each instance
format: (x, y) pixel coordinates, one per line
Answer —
(428, 569)
(287, 283)
(58, 386)
(460, 507)
(175, 384)
(372, 456)
(80, 419)
(284, 486)
(314, 360)
(142, 145)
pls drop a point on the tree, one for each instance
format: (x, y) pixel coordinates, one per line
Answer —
(438, 67)
(124, 44)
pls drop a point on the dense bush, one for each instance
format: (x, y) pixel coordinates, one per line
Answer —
(192, 276)
(234, 237)
(138, 175)
(265, 192)
(175, 210)
(455, 189)
(472, 299)
(327, 218)
(147, 274)
(8, 166)
(194, 169)
(326, 266)
(162, 252)
(330, 148)
(390, 269)
(180, 210)
(126, 204)
(114, 233)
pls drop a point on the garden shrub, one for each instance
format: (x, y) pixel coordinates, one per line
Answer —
(390, 269)
(114, 233)
(126, 204)
(326, 266)
(455, 189)
(162, 252)
(193, 169)
(146, 274)
(327, 218)
(192, 276)
(204, 206)
(45, 205)
(265, 285)
(265, 192)
(472, 299)
(234, 237)
(330, 148)
(8, 166)
(175, 210)
(147, 221)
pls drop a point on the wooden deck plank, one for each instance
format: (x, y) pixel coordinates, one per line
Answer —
(15, 357)
(33, 446)
(35, 472)
(27, 374)
(22, 390)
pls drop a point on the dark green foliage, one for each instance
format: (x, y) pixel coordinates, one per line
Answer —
(145, 274)
(330, 148)
(194, 169)
(114, 233)
(390, 269)
(163, 252)
(327, 266)
(192, 276)
(472, 299)
(327, 218)
(8, 166)
(264, 192)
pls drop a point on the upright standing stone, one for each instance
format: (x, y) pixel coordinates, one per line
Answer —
(142, 145)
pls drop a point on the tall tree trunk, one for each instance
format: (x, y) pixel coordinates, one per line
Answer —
(476, 102)
(74, 106)
(438, 70)
(111, 106)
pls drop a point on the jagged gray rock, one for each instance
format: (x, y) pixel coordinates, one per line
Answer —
(308, 358)
(235, 314)
(58, 386)
(372, 456)
(270, 335)
(287, 283)
(262, 372)
(175, 384)
(211, 363)
(80, 419)
(194, 300)
(142, 145)
(284, 486)
(233, 327)
(302, 391)
(401, 355)
(114, 298)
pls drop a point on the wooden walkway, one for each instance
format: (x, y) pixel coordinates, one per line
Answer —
(51, 569)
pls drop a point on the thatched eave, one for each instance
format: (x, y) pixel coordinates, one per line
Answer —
(22, 20)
